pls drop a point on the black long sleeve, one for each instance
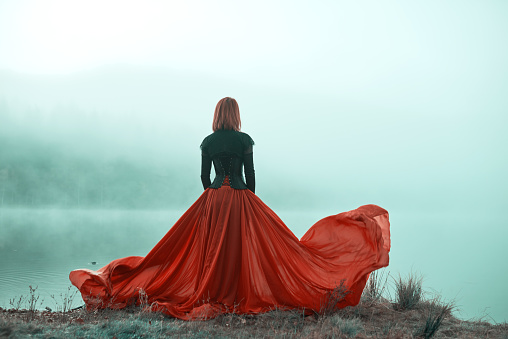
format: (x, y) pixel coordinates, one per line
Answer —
(206, 167)
(248, 166)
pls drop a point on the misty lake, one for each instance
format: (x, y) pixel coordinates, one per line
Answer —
(457, 259)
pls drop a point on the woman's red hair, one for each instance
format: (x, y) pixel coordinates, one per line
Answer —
(227, 115)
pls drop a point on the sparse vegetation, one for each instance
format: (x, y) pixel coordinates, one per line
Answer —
(408, 292)
(376, 286)
(66, 299)
(348, 327)
(435, 313)
(372, 318)
(333, 298)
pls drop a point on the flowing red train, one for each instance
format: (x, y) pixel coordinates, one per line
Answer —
(229, 252)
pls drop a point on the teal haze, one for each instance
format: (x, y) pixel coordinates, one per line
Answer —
(399, 104)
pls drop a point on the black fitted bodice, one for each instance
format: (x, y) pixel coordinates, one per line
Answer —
(228, 150)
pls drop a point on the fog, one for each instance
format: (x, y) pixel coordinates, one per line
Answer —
(320, 150)
(403, 105)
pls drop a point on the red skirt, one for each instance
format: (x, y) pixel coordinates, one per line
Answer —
(229, 252)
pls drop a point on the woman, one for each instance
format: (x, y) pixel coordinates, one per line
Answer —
(229, 252)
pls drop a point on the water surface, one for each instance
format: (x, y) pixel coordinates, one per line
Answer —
(458, 258)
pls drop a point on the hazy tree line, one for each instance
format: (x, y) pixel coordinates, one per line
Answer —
(71, 183)
(33, 175)
(68, 157)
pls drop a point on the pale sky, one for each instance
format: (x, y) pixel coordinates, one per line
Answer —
(323, 46)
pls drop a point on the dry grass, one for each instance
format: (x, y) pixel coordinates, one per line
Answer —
(435, 313)
(333, 298)
(373, 318)
(376, 286)
(408, 292)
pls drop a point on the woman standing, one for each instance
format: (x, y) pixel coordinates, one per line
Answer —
(229, 252)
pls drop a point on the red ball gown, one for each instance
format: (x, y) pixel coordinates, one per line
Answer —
(229, 252)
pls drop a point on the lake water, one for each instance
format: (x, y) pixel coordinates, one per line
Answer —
(461, 257)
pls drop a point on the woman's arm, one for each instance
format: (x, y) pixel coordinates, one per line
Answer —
(248, 166)
(206, 167)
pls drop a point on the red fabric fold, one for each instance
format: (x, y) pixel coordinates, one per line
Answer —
(229, 252)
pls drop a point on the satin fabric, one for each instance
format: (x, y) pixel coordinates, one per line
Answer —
(229, 252)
